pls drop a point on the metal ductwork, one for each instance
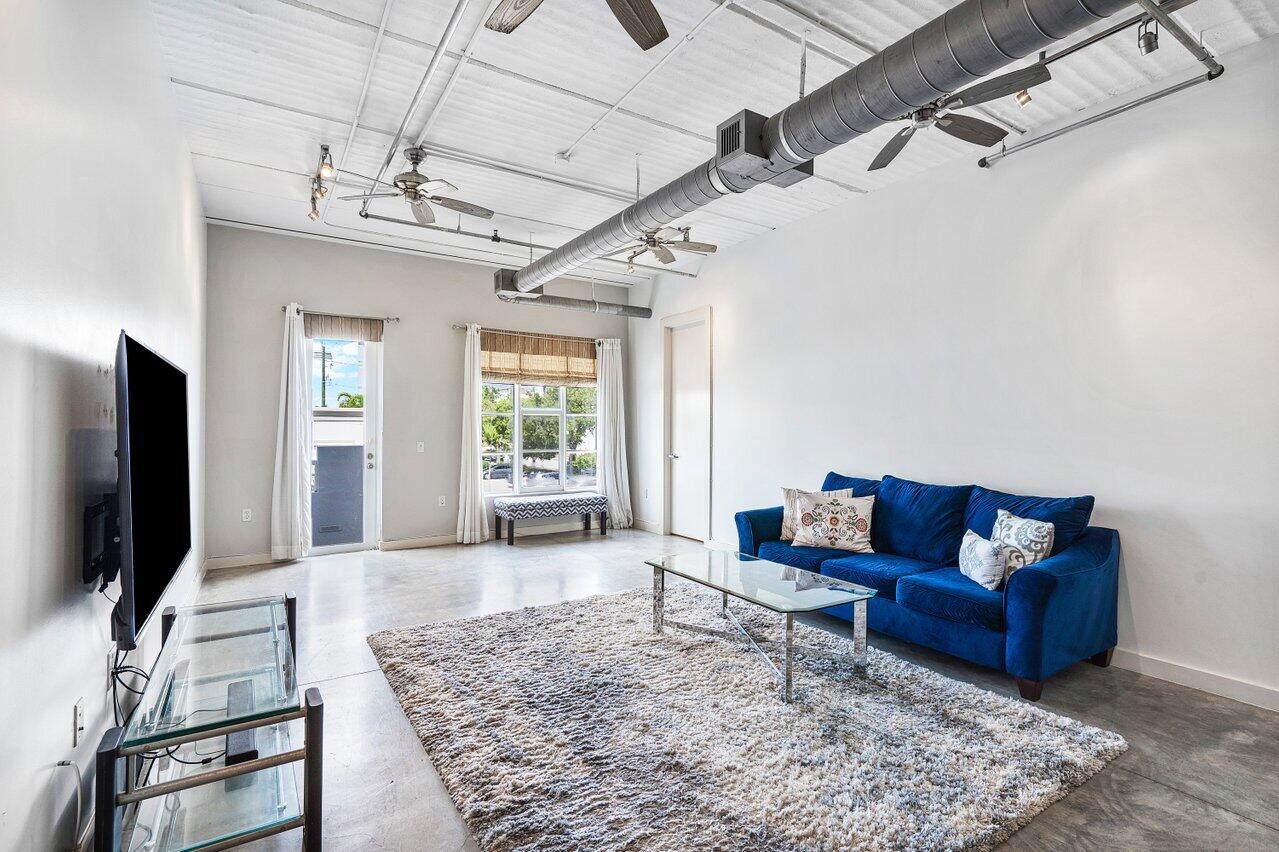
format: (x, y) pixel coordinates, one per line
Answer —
(503, 285)
(972, 40)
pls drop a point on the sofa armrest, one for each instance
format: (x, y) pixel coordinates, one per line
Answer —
(756, 526)
(1063, 609)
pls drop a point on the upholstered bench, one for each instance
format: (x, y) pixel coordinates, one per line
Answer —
(549, 506)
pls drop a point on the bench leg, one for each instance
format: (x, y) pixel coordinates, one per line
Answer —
(510, 531)
(603, 523)
(497, 527)
(586, 521)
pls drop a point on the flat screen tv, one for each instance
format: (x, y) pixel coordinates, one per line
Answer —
(154, 484)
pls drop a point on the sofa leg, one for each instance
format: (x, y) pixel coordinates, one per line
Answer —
(1030, 689)
(1103, 658)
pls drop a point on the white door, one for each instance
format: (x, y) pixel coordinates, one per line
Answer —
(689, 429)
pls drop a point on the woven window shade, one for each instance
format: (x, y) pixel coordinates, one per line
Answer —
(343, 328)
(549, 359)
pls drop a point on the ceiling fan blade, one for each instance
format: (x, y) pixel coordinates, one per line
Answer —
(422, 212)
(463, 207)
(971, 129)
(640, 20)
(435, 187)
(998, 87)
(662, 253)
(668, 233)
(510, 14)
(690, 245)
(890, 151)
(373, 195)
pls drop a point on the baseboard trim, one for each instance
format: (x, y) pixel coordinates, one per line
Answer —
(647, 526)
(215, 563)
(414, 543)
(451, 538)
(1227, 687)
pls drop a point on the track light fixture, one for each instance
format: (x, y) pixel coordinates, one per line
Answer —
(315, 210)
(1147, 39)
(1023, 97)
(326, 163)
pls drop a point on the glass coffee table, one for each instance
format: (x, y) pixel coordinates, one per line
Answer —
(771, 585)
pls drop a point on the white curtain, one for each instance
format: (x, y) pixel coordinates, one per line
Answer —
(614, 482)
(472, 526)
(291, 492)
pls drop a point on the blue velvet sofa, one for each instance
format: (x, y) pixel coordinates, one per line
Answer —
(1048, 616)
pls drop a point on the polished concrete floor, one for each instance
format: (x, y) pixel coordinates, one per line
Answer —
(1202, 771)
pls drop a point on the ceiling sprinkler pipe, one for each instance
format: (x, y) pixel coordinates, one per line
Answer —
(972, 40)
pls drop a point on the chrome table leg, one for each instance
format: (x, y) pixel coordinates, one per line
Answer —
(659, 592)
(790, 646)
(723, 605)
(859, 634)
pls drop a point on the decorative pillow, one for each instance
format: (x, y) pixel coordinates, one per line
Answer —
(1024, 541)
(833, 521)
(789, 514)
(982, 561)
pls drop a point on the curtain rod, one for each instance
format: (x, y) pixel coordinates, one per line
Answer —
(284, 308)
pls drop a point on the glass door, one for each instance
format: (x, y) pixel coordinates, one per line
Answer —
(345, 463)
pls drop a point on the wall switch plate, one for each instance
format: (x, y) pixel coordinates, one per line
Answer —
(246, 515)
(442, 503)
(77, 727)
(421, 446)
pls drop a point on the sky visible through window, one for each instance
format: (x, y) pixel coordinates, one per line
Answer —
(336, 370)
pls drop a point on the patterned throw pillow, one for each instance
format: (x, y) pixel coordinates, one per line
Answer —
(839, 522)
(1025, 541)
(789, 514)
(982, 561)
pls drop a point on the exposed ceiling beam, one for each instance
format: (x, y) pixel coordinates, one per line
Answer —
(445, 152)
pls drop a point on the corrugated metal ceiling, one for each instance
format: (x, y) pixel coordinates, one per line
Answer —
(261, 83)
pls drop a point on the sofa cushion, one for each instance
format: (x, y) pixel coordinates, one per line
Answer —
(880, 571)
(921, 521)
(808, 558)
(950, 595)
(1068, 515)
(861, 487)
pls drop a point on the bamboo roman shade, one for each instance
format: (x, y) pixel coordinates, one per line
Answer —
(549, 359)
(343, 328)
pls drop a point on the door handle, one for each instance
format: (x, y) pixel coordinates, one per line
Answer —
(671, 456)
(370, 465)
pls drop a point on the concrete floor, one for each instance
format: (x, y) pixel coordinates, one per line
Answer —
(1200, 773)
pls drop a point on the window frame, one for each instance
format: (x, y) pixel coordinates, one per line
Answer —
(517, 413)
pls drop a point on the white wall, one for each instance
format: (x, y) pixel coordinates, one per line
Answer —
(100, 229)
(251, 274)
(1097, 315)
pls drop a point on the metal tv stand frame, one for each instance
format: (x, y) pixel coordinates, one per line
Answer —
(224, 680)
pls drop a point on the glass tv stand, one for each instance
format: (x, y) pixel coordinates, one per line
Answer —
(206, 760)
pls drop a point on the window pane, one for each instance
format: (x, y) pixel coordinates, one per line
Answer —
(580, 400)
(581, 433)
(497, 398)
(541, 470)
(337, 373)
(539, 396)
(581, 470)
(541, 432)
(497, 433)
(497, 475)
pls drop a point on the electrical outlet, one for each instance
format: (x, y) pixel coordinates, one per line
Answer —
(442, 500)
(246, 515)
(77, 726)
(421, 446)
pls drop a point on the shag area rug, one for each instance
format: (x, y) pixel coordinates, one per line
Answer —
(575, 727)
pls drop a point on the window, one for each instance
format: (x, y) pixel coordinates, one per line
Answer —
(537, 438)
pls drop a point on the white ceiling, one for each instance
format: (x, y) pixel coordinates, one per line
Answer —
(260, 84)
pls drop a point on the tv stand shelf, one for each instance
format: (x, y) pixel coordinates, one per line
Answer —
(206, 760)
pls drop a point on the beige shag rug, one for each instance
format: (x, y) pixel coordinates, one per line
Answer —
(575, 727)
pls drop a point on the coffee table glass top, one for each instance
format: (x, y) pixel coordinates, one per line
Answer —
(780, 588)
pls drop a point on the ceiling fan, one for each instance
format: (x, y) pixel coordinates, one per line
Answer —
(660, 243)
(417, 189)
(638, 17)
(939, 113)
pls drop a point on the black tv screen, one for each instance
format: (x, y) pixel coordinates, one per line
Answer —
(155, 482)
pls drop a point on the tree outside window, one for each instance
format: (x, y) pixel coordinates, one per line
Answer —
(549, 429)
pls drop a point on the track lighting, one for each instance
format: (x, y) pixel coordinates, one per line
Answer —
(326, 163)
(320, 190)
(1147, 39)
(315, 211)
(1023, 97)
